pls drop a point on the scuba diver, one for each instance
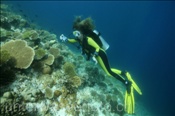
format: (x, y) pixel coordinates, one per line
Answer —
(95, 48)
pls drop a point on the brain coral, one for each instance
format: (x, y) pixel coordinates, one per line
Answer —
(20, 51)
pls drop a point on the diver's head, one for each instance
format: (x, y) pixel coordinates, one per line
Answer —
(77, 34)
(83, 25)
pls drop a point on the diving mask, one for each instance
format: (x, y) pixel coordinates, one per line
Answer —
(76, 33)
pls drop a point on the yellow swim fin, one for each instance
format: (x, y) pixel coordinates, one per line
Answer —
(133, 83)
(129, 96)
(129, 102)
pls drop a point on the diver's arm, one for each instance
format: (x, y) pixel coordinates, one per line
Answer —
(63, 38)
(92, 43)
(72, 40)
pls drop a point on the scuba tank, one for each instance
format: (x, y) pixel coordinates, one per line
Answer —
(105, 45)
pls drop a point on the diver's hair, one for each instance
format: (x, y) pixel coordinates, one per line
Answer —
(83, 25)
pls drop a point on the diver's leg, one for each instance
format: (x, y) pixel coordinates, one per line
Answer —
(119, 72)
(130, 85)
(103, 61)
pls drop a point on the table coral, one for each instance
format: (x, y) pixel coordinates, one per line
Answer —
(22, 53)
(54, 51)
(39, 53)
(49, 60)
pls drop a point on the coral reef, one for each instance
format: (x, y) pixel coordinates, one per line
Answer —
(19, 50)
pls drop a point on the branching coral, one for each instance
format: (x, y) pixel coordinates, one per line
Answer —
(13, 109)
(12, 105)
(22, 53)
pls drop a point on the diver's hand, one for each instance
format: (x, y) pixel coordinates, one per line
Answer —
(128, 86)
(94, 59)
(63, 38)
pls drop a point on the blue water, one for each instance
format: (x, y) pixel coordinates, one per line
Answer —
(141, 37)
